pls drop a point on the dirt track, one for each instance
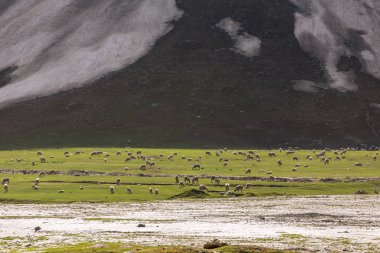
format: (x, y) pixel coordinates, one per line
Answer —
(350, 223)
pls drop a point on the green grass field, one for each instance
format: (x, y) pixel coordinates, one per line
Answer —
(161, 175)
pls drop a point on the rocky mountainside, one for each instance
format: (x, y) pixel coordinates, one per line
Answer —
(189, 73)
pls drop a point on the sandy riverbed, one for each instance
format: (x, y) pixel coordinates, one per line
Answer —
(350, 223)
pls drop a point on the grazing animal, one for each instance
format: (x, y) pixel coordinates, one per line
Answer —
(195, 180)
(217, 180)
(105, 159)
(177, 179)
(5, 181)
(129, 190)
(196, 166)
(41, 174)
(6, 187)
(81, 187)
(143, 167)
(181, 184)
(248, 171)
(279, 162)
(118, 181)
(227, 186)
(61, 191)
(374, 158)
(39, 153)
(36, 181)
(150, 190)
(202, 187)
(118, 153)
(35, 187)
(225, 164)
(187, 180)
(238, 188)
(155, 191)
(208, 153)
(112, 189)
(272, 154)
(295, 158)
(42, 159)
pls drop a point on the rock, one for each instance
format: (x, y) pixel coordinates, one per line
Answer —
(214, 244)
(38, 228)
(141, 225)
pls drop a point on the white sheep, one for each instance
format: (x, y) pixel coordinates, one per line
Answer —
(112, 189)
(227, 186)
(36, 181)
(238, 188)
(202, 187)
(155, 191)
(6, 187)
(36, 188)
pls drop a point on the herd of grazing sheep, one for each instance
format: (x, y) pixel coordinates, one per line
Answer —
(326, 157)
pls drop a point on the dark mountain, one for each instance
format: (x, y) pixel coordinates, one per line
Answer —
(194, 88)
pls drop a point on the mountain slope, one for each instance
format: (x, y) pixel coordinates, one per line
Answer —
(197, 87)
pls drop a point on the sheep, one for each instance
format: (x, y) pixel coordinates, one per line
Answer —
(227, 186)
(247, 186)
(181, 184)
(77, 153)
(208, 153)
(189, 159)
(187, 180)
(33, 163)
(196, 166)
(238, 188)
(183, 157)
(118, 153)
(61, 191)
(36, 181)
(374, 158)
(248, 171)
(225, 164)
(143, 167)
(5, 181)
(105, 159)
(202, 187)
(118, 181)
(177, 179)
(41, 174)
(129, 190)
(295, 158)
(195, 179)
(170, 158)
(42, 159)
(112, 189)
(18, 160)
(35, 187)
(155, 191)
(66, 153)
(217, 180)
(81, 187)
(150, 190)
(39, 153)
(272, 154)
(279, 162)
(6, 187)
(228, 193)
(326, 162)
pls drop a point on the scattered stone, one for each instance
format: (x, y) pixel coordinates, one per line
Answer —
(214, 244)
(141, 225)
